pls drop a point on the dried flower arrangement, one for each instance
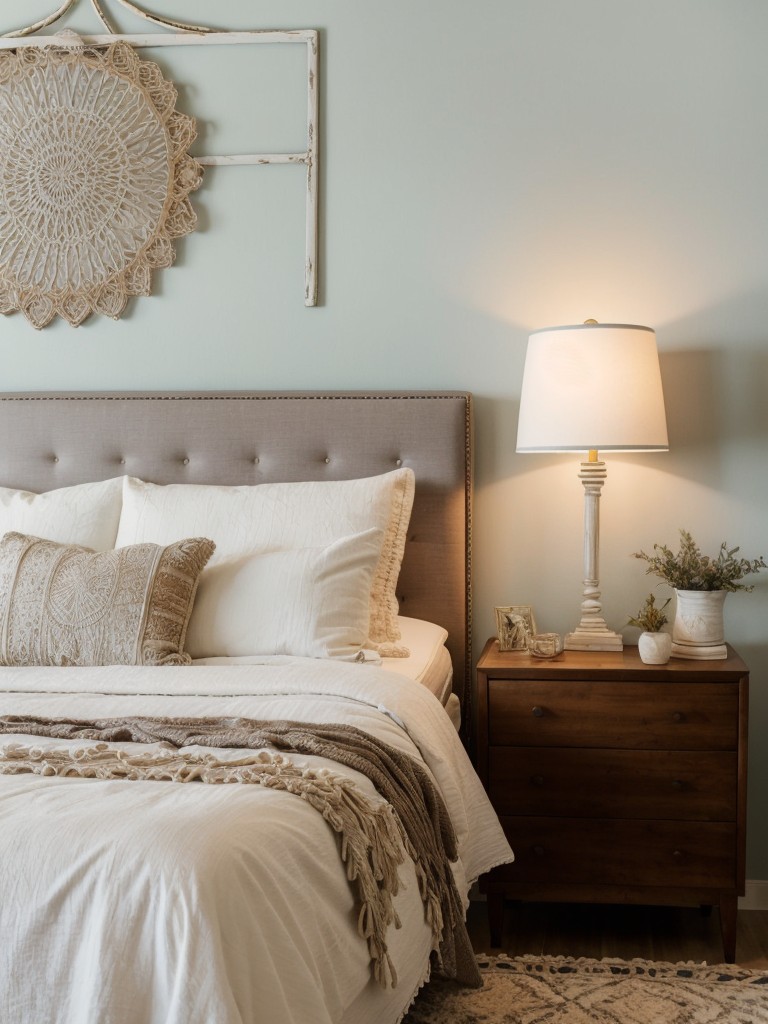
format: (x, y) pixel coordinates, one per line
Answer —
(650, 618)
(689, 569)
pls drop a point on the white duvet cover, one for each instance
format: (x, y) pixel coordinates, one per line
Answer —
(145, 902)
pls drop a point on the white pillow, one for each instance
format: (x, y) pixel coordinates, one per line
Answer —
(85, 514)
(246, 520)
(309, 602)
(429, 662)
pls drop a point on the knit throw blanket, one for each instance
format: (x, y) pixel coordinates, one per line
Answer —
(372, 837)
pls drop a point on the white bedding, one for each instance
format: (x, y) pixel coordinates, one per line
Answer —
(161, 903)
(429, 662)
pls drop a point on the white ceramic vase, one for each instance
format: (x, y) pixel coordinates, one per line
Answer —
(699, 618)
(654, 648)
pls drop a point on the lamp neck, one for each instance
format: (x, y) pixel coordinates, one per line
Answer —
(592, 455)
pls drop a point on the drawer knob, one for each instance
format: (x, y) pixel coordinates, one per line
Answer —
(678, 854)
(678, 783)
(678, 716)
(537, 780)
(537, 712)
(539, 850)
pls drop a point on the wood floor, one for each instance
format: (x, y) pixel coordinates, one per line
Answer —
(651, 933)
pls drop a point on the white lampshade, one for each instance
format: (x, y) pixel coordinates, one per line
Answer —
(592, 387)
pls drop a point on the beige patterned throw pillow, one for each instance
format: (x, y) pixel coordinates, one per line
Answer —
(67, 605)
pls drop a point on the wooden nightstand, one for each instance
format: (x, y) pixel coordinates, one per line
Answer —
(615, 781)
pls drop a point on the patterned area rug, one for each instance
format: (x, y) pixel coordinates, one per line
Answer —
(561, 990)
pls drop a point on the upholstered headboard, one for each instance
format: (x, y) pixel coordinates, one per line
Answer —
(53, 440)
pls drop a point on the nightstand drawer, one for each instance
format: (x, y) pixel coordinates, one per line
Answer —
(613, 714)
(630, 853)
(594, 783)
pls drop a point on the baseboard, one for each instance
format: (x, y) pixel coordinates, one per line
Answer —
(755, 895)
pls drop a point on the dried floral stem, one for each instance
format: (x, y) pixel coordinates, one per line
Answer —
(688, 569)
(650, 618)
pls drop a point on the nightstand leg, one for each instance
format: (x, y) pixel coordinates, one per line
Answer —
(495, 917)
(728, 909)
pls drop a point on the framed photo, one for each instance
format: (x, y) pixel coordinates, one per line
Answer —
(515, 626)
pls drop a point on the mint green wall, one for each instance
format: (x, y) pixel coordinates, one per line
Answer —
(487, 169)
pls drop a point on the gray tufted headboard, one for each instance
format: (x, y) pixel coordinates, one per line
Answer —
(53, 440)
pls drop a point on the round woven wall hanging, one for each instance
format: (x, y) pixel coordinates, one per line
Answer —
(95, 178)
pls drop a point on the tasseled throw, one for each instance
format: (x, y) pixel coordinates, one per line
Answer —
(371, 837)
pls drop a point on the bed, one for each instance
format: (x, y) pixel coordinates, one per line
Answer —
(237, 839)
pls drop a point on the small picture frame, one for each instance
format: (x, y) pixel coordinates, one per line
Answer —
(515, 626)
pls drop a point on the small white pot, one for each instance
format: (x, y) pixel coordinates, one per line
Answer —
(699, 618)
(654, 648)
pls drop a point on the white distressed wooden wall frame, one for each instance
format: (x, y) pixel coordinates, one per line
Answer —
(199, 37)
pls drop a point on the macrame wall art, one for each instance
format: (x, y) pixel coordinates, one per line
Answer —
(94, 180)
(95, 170)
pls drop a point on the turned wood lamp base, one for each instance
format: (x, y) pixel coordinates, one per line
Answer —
(594, 640)
(592, 633)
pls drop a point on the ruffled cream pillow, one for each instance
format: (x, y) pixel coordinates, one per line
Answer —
(250, 520)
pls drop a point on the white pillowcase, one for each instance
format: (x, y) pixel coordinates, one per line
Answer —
(246, 520)
(308, 602)
(430, 662)
(85, 514)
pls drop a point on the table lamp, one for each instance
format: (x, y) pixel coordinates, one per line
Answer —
(592, 387)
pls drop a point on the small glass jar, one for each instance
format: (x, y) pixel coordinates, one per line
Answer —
(546, 645)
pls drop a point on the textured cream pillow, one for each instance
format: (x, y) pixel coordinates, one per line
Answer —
(86, 514)
(248, 520)
(308, 602)
(65, 605)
